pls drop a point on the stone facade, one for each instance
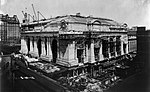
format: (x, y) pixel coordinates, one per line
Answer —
(75, 40)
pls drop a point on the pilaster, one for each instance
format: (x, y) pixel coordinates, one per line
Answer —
(24, 48)
(31, 45)
(86, 54)
(122, 52)
(49, 50)
(115, 47)
(69, 56)
(109, 53)
(35, 49)
(101, 57)
(43, 47)
(92, 55)
(127, 48)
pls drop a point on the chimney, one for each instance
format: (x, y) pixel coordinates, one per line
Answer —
(78, 14)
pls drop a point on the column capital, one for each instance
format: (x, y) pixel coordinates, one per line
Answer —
(48, 38)
(25, 37)
(92, 40)
(31, 37)
(35, 38)
(114, 39)
(22, 37)
(43, 39)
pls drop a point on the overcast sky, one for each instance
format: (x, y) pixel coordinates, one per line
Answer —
(132, 12)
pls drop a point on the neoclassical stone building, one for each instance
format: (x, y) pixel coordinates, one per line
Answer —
(74, 39)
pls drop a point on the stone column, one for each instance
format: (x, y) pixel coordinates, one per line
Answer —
(24, 48)
(31, 45)
(70, 54)
(127, 48)
(115, 47)
(126, 42)
(109, 53)
(43, 47)
(122, 52)
(71, 51)
(49, 50)
(35, 49)
(47, 53)
(75, 52)
(92, 55)
(101, 57)
(87, 54)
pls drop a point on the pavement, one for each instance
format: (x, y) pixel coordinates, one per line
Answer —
(136, 83)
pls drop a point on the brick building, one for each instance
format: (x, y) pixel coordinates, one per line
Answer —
(9, 29)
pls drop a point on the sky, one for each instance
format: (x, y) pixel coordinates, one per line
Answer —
(132, 12)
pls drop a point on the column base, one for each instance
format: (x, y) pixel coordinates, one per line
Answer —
(122, 53)
(23, 51)
(34, 54)
(67, 63)
(92, 61)
(109, 55)
(85, 60)
(46, 58)
(116, 54)
(101, 57)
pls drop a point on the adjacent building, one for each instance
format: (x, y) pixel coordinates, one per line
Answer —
(132, 39)
(9, 29)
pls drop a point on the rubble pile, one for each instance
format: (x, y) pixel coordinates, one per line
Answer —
(75, 81)
(46, 67)
(81, 84)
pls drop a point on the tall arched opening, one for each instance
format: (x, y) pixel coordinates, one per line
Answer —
(54, 50)
(39, 47)
(28, 44)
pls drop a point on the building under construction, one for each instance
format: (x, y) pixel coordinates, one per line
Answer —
(73, 52)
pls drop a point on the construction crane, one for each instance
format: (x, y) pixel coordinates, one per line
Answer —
(23, 13)
(40, 14)
(34, 12)
(31, 17)
(25, 17)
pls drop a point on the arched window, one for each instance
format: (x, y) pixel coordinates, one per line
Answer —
(96, 24)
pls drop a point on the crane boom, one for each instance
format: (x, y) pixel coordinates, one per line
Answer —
(23, 13)
(41, 14)
(31, 17)
(34, 12)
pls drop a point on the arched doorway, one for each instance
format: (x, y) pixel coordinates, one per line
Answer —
(124, 47)
(54, 50)
(39, 46)
(112, 47)
(105, 47)
(46, 45)
(80, 55)
(28, 44)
